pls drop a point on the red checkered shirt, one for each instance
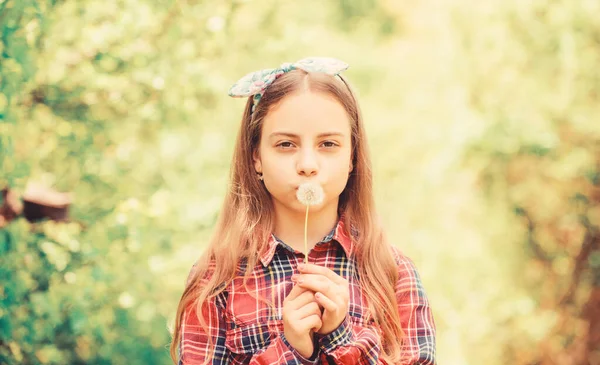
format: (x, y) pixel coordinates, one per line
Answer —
(245, 331)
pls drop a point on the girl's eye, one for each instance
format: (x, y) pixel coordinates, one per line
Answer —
(329, 144)
(285, 145)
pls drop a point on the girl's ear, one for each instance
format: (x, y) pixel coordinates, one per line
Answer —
(351, 167)
(257, 163)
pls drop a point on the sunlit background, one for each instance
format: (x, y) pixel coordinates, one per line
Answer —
(483, 120)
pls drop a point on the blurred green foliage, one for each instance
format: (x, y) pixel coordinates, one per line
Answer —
(482, 119)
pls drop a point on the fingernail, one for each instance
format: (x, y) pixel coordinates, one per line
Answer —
(294, 277)
(301, 267)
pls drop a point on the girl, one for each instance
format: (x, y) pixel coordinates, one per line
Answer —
(250, 299)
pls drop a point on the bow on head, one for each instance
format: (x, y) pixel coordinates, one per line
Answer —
(255, 83)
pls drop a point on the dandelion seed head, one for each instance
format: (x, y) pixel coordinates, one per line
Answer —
(310, 194)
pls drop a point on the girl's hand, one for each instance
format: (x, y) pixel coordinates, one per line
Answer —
(301, 318)
(331, 292)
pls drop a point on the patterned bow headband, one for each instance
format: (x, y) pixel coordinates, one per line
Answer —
(255, 83)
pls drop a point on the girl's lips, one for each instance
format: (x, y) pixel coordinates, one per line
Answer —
(298, 186)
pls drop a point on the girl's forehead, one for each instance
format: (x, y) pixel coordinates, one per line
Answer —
(307, 112)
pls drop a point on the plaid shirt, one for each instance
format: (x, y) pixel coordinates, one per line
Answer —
(245, 331)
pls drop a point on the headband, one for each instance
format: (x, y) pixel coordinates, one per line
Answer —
(255, 83)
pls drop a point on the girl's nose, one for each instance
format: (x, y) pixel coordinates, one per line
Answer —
(307, 163)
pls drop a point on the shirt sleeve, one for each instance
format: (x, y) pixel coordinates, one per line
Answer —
(281, 352)
(352, 343)
(195, 348)
(415, 314)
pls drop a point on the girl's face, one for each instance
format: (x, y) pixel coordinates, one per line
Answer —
(306, 137)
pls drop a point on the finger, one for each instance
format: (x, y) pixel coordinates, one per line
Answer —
(306, 297)
(312, 322)
(295, 292)
(307, 311)
(317, 283)
(328, 304)
(316, 269)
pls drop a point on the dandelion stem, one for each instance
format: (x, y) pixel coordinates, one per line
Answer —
(306, 236)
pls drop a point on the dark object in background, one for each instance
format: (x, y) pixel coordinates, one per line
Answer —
(11, 207)
(40, 202)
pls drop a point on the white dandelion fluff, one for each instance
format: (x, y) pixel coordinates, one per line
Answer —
(310, 194)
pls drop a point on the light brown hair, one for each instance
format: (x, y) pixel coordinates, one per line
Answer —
(246, 219)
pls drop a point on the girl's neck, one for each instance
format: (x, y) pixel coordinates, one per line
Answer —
(289, 226)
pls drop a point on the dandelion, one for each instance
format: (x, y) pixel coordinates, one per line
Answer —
(309, 194)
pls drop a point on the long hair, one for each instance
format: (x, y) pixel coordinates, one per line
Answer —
(246, 220)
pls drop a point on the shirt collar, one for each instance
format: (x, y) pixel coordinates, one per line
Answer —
(338, 234)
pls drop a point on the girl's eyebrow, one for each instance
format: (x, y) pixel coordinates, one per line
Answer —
(292, 135)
